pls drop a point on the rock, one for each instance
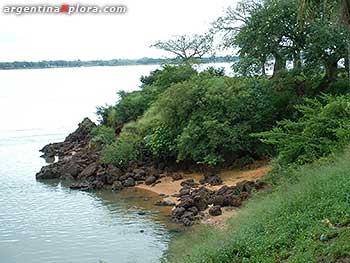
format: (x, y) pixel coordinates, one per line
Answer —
(82, 133)
(188, 183)
(164, 203)
(176, 176)
(150, 180)
(90, 170)
(184, 191)
(129, 182)
(178, 212)
(200, 203)
(70, 169)
(114, 171)
(49, 172)
(218, 200)
(80, 186)
(244, 195)
(117, 186)
(187, 222)
(140, 174)
(236, 201)
(215, 210)
(212, 179)
(186, 202)
(126, 176)
(194, 210)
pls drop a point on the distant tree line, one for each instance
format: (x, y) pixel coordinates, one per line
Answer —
(93, 63)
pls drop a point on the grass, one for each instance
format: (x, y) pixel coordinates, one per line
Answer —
(304, 221)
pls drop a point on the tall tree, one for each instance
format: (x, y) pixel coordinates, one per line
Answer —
(263, 30)
(341, 10)
(187, 47)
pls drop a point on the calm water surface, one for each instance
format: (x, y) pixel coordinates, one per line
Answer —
(48, 222)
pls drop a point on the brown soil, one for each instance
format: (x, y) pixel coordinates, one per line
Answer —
(229, 177)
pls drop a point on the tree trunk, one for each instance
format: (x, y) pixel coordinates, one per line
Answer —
(331, 75)
(297, 61)
(280, 63)
(347, 61)
(263, 70)
(331, 71)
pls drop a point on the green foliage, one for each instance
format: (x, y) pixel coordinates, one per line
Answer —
(125, 149)
(208, 119)
(102, 135)
(161, 142)
(322, 128)
(307, 221)
(132, 105)
(326, 45)
(268, 32)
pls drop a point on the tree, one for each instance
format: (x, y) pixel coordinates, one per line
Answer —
(263, 31)
(341, 10)
(187, 47)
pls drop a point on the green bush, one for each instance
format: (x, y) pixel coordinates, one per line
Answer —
(132, 105)
(125, 149)
(161, 143)
(206, 119)
(102, 135)
(212, 117)
(323, 127)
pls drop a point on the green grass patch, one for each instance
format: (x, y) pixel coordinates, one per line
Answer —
(305, 221)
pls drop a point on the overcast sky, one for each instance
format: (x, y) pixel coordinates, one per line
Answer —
(45, 37)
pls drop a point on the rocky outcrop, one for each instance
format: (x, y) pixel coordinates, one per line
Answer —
(212, 179)
(81, 165)
(73, 142)
(193, 200)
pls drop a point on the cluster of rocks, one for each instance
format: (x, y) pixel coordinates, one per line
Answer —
(194, 199)
(80, 164)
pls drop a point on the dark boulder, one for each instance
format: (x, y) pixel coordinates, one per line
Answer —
(129, 182)
(89, 171)
(164, 203)
(150, 180)
(178, 212)
(117, 186)
(215, 210)
(200, 203)
(176, 176)
(139, 174)
(212, 179)
(51, 171)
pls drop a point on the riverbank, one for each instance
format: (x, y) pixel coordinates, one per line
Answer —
(167, 188)
(193, 196)
(303, 219)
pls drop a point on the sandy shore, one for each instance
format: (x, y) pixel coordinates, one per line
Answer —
(169, 187)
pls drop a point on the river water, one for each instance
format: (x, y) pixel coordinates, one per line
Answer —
(48, 222)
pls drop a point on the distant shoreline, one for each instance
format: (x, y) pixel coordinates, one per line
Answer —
(102, 63)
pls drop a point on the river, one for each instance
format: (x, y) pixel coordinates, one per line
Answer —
(48, 222)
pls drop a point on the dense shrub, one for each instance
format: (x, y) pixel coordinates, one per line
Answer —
(324, 126)
(208, 119)
(102, 135)
(132, 105)
(126, 148)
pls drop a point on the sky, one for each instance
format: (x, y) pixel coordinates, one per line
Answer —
(34, 37)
